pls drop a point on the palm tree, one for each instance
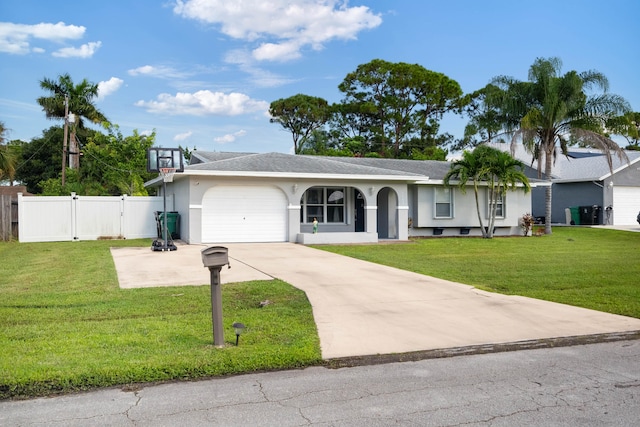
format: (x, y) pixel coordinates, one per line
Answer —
(67, 98)
(497, 169)
(552, 111)
(7, 158)
(469, 168)
(505, 173)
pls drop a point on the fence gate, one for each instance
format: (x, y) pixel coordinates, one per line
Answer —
(8, 217)
(64, 218)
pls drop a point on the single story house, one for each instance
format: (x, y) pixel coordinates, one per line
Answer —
(582, 179)
(274, 197)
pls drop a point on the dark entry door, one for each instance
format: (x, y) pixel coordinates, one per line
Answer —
(359, 212)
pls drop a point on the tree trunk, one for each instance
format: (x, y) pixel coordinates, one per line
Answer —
(484, 232)
(492, 212)
(547, 193)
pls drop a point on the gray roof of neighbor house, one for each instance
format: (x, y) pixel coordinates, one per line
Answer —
(300, 164)
(581, 164)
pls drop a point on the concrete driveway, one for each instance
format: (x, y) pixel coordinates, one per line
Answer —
(361, 308)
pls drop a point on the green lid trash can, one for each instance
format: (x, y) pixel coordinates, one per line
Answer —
(575, 215)
(173, 224)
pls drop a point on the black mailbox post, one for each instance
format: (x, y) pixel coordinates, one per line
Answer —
(214, 258)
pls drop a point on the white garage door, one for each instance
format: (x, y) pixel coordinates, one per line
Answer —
(244, 214)
(626, 204)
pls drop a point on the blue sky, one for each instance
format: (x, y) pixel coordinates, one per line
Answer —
(203, 72)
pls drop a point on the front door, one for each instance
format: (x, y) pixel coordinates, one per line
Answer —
(359, 212)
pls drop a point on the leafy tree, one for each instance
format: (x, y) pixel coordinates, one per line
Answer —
(65, 98)
(7, 157)
(352, 121)
(301, 115)
(429, 153)
(113, 164)
(628, 126)
(117, 164)
(484, 121)
(39, 159)
(553, 110)
(399, 105)
(187, 153)
(497, 169)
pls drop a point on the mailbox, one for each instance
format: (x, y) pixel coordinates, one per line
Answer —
(215, 256)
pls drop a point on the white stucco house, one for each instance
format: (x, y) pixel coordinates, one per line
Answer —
(274, 197)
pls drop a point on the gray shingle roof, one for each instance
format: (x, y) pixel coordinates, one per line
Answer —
(582, 164)
(212, 156)
(287, 163)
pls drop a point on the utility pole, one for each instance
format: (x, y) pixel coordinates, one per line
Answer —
(64, 139)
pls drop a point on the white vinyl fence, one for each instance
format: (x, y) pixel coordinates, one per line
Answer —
(63, 218)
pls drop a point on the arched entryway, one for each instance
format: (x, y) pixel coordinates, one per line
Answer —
(387, 201)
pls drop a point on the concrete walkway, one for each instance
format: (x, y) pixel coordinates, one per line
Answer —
(362, 308)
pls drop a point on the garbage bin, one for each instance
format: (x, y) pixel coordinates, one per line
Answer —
(173, 224)
(575, 215)
(590, 215)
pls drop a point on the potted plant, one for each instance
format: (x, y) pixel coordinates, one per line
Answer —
(526, 224)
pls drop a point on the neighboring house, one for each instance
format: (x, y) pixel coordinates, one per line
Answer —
(244, 197)
(582, 179)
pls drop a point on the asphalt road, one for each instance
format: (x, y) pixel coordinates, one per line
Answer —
(587, 385)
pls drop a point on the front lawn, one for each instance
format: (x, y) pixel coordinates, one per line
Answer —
(592, 268)
(66, 326)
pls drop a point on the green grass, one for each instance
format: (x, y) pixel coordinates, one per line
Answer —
(592, 268)
(66, 326)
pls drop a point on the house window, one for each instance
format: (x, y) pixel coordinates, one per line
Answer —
(499, 202)
(444, 202)
(327, 204)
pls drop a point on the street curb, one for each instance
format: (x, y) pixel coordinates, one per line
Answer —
(414, 356)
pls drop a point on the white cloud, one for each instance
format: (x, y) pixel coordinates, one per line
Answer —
(230, 137)
(204, 102)
(85, 51)
(259, 76)
(285, 27)
(161, 72)
(108, 87)
(182, 136)
(16, 38)
(277, 51)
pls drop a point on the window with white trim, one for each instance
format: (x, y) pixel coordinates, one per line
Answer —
(443, 202)
(327, 204)
(499, 202)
